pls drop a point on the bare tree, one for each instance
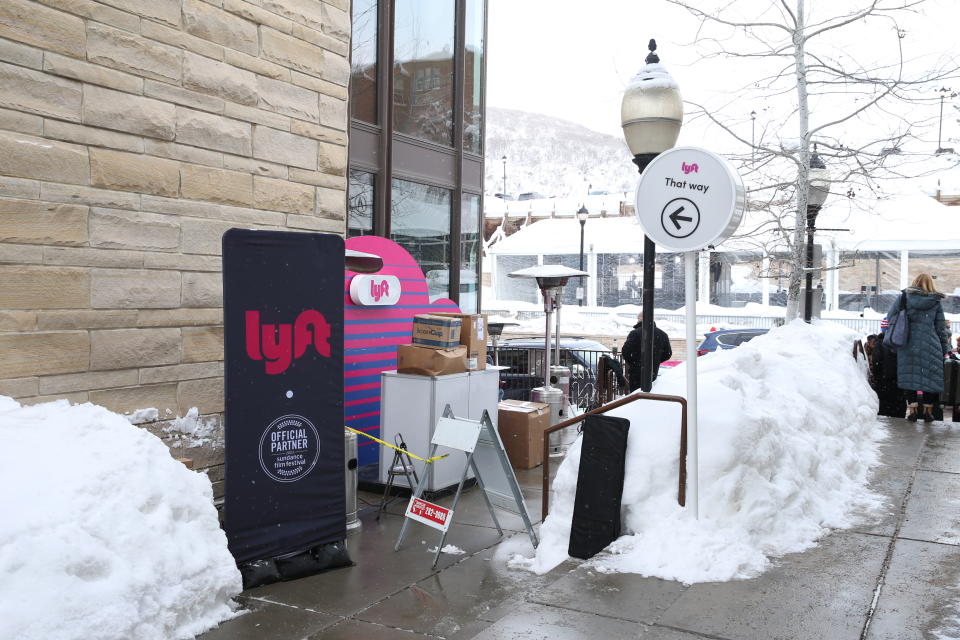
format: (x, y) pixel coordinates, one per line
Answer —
(855, 102)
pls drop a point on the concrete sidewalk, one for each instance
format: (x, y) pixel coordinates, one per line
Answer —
(896, 579)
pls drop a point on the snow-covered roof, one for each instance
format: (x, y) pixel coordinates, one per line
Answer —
(494, 207)
(903, 222)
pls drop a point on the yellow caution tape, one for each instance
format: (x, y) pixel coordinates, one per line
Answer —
(387, 444)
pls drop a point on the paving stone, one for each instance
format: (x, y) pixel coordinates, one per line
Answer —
(353, 629)
(380, 571)
(942, 451)
(460, 601)
(618, 595)
(932, 513)
(265, 618)
(821, 593)
(920, 593)
(539, 621)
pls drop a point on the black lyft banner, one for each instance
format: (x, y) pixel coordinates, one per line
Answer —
(283, 368)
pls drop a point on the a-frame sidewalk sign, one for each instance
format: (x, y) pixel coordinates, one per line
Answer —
(480, 442)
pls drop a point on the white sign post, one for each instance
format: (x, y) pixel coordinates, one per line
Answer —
(689, 199)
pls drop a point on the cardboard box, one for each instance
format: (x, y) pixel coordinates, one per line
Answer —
(431, 361)
(473, 335)
(521, 426)
(436, 331)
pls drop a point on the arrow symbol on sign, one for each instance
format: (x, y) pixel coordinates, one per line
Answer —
(675, 216)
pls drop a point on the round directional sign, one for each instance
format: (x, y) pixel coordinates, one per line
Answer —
(689, 199)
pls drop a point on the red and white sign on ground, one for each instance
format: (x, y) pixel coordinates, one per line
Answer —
(430, 514)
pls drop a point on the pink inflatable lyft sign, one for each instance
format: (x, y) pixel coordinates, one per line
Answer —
(378, 317)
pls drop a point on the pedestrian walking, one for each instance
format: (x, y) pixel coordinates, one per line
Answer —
(920, 360)
(633, 350)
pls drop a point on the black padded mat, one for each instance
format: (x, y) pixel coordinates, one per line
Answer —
(596, 508)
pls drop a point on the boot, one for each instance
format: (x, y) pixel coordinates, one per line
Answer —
(912, 412)
(928, 413)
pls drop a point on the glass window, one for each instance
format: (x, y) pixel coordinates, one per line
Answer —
(420, 223)
(360, 204)
(423, 69)
(470, 254)
(363, 66)
(473, 80)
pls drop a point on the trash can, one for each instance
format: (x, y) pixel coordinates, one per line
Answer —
(350, 462)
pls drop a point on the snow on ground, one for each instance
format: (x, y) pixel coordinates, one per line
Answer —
(104, 535)
(788, 434)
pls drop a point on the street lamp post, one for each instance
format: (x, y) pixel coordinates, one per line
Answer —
(943, 94)
(753, 135)
(504, 158)
(651, 115)
(818, 187)
(582, 216)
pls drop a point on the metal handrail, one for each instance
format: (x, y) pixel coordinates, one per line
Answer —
(656, 397)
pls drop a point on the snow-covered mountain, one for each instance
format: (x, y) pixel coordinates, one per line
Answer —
(553, 157)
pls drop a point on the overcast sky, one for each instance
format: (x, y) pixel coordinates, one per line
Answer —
(560, 58)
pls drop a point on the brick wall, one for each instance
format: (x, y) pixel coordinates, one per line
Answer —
(132, 134)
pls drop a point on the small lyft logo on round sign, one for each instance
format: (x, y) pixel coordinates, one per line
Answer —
(689, 199)
(375, 290)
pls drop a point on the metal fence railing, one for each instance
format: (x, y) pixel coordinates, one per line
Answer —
(586, 389)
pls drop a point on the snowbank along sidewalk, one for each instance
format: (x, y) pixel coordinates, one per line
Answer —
(788, 434)
(104, 535)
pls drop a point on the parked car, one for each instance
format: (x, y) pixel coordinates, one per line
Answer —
(531, 195)
(727, 339)
(504, 196)
(524, 356)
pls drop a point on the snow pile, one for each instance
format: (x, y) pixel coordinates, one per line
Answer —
(193, 431)
(104, 535)
(788, 434)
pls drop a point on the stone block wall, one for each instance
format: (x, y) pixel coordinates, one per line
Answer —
(133, 133)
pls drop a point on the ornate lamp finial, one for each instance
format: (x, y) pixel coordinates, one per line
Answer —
(652, 57)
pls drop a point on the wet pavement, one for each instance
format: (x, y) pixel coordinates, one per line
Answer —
(896, 577)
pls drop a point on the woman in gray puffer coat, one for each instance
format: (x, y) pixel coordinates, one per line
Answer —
(920, 361)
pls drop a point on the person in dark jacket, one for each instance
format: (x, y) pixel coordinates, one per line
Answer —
(920, 360)
(632, 350)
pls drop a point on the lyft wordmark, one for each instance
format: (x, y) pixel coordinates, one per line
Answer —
(281, 344)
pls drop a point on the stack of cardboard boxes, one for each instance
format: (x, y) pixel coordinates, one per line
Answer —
(445, 343)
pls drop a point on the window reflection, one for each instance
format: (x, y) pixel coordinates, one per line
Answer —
(420, 223)
(470, 254)
(363, 66)
(423, 69)
(360, 204)
(473, 80)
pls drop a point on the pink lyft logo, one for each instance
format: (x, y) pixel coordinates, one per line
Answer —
(689, 168)
(375, 290)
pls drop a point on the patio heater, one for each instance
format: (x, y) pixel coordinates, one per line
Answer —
(496, 330)
(551, 280)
